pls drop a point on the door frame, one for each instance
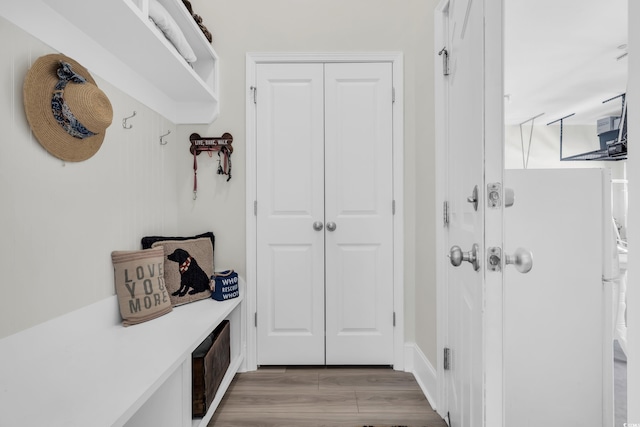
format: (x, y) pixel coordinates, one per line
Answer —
(493, 140)
(397, 62)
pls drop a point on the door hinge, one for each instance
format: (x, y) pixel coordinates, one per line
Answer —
(254, 92)
(393, 95)
(394, 319)
(445, 61)
(255, 319)
(445, 213)
(393, 207)
(447, 359)
(255, 208)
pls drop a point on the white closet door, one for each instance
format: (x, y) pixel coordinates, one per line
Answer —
(290, 188)
(358, 200)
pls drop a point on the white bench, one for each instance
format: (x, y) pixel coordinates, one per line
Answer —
(86, 369)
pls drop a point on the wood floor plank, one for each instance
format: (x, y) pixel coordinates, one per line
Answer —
(381, 420)
(325, 396)
(367, 379)
(286, 402)
(274, 381)
(320, 419)
(398, 401)
(266, 420)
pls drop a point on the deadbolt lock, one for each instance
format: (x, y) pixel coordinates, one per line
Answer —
(474, 198)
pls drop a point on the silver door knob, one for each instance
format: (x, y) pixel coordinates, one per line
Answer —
(331, 226)
(457, 256)
(318, 225)
(522, 259)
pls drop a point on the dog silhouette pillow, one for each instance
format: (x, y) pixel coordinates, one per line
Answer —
(188, 264)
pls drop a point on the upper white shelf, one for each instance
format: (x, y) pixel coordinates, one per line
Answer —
(116, 41)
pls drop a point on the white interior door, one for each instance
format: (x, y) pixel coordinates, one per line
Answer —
(555, 316)
(543, 333)
(359, 198)
(464, 172)
(290, 188)
(324, 217)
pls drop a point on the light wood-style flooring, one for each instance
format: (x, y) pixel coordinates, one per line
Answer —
(319, 396)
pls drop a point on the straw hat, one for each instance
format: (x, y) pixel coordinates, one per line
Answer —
(69, 121)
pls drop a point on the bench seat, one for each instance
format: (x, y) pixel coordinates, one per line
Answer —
(85, 369)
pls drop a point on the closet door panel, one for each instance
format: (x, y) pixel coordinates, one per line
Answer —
(290, 188)
(358, 200)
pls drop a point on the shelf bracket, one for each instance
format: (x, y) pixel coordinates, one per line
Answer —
(561, 120)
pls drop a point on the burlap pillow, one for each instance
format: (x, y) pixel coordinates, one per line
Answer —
(140, 286)
(188, 267)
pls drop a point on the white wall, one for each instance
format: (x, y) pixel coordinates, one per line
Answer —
(60, 221)
(116, 197)
(326, 26)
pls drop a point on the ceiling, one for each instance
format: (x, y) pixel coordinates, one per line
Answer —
(561, 58)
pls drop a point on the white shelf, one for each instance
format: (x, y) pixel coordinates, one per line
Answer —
(85, 368)
(115, 40)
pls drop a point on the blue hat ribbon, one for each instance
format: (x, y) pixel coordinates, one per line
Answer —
(61, 111)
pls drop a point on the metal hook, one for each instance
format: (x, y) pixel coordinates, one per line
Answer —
(445, 61)
(124, 121)
(162, 136)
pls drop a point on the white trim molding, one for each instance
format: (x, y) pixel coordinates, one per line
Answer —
(423, 371)
(397, 61)
(633, 280)
(441, 117)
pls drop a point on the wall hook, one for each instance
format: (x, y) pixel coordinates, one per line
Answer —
(124, 121)
(162, 136)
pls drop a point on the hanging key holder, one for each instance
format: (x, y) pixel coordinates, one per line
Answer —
(221, 145)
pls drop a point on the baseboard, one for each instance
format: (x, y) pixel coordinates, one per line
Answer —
(424, 372)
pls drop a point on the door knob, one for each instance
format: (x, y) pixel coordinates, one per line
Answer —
(318, 225)
(457, 256)
(331, 226)
(522, 259)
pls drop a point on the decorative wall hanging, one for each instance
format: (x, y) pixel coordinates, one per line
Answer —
(67, 112)
(221, 145)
